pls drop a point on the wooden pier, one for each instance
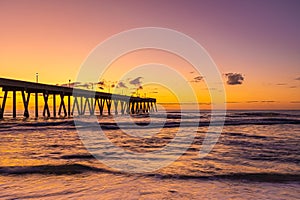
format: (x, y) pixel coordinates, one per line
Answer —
(70, 100)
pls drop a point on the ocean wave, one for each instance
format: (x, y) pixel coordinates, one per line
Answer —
(77, 156)
(261, 114)
(70, 124)
(70, 169)
(65, 169)
(242, 135)
(256, 177)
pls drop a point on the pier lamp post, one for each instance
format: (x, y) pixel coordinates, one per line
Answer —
(69, 82)
(37, 77)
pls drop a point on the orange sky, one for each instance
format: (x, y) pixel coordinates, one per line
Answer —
(259, 40)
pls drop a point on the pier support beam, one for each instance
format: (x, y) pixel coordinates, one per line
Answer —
(75, 103)
(87, 102)
(132, 107)
(36, 105)
(116, 106)
(25, 103)
(127, 107)
(93, 104)
(3, 105)
(81, 106)
(122, 107)
(108, 104)
(101, 105)
(136, 108)
(69, 105)
(54, 105)
(62, 105)
(46, 107)
(14, 104)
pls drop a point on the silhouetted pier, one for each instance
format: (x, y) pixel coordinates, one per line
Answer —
(70, 100)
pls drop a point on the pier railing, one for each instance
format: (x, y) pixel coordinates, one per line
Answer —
(82, 101)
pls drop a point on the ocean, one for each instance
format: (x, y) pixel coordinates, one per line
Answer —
(256, 156)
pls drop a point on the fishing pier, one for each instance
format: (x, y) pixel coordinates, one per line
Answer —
(69, 101)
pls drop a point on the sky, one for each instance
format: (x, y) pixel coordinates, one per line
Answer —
(255, 45)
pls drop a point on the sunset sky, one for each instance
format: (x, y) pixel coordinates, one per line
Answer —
(255, 44)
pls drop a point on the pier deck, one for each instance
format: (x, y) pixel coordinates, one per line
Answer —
(79, 100)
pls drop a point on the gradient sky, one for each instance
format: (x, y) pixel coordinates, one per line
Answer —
(258, 39)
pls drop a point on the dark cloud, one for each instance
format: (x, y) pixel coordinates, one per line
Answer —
(281, 84)
(121, 85)
(294, 101)
(252, 101)
(293, 86)
(101, 83)
(298, 78)
(106, 84)
(198, 79)
(234, 78)
(232, 102)
(137, 81)
(268, 101)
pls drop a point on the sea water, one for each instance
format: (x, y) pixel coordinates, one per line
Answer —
(257, 156)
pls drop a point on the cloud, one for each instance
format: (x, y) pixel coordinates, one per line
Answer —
(234, 78)
(252, 101)
(74, 84)
(267, 101)
(121, 85)
(137, 81)
(197, 79)
(293, 86)
(101, 83)
(281, 84)
(298, 78)
(294, 101)
(85, 85)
